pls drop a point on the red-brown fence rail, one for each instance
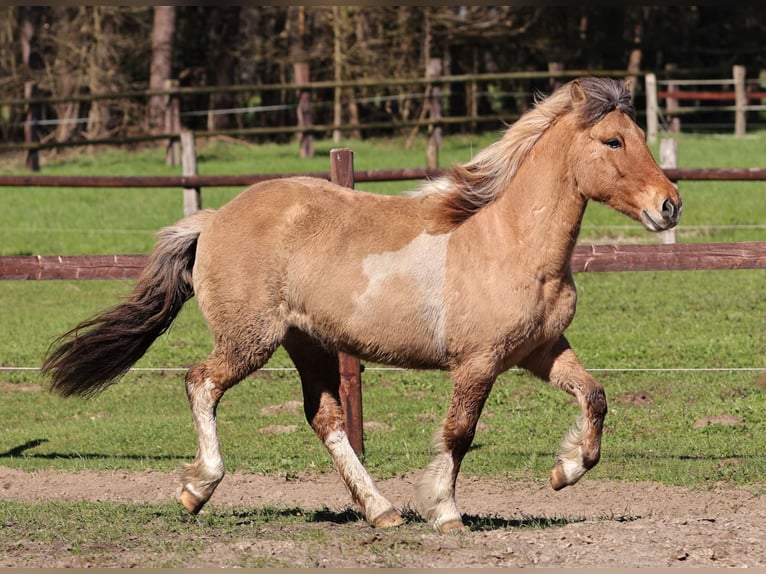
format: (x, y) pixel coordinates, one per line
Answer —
(664, 257)
(242, 180)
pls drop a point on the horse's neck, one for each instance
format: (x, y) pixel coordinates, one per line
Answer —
(542, 209)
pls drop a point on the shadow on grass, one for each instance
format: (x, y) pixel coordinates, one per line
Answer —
(22, 448)
(473, 523)
(21, 451)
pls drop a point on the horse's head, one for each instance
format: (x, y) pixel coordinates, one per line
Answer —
(613, 164)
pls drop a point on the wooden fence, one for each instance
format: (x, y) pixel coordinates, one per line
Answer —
(736, 90)
(594, 258)
(297, 105)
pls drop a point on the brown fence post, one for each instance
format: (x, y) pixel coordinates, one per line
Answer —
(32, 127)
(652, 108)
(172, 123)
(192, 195)
(669, 160)
(671, 104)
(740, 101)
(342, 173)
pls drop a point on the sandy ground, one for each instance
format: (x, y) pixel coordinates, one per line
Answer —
(607, 523)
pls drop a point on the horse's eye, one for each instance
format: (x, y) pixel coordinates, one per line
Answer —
(613, 143)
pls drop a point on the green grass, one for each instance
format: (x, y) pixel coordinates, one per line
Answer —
(663, 321)
(101, 533)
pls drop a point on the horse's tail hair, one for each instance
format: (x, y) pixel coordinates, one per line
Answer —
(98, 351)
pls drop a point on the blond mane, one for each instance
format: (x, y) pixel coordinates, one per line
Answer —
(466, 188)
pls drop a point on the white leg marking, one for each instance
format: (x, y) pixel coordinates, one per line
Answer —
(435, 492)
(358, 481)
(205, 422)
(570, 454)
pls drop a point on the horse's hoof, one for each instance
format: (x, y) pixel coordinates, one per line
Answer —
(452, 526)
(389, 518)
(191, 502)
(558, 477)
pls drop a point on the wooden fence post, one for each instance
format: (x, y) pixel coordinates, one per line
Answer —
(669, 160)
(192, 195)
(740, 102)
(652, 108)
(172, 123)
(301, 70)
(342, 173)
(671, 104)
(32, 127)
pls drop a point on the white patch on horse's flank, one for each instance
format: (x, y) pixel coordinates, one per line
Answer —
(424, 261)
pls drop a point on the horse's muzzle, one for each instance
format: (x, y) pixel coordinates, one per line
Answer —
(666, 217)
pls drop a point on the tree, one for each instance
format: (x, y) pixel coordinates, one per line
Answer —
(161, 66)
(223, 34)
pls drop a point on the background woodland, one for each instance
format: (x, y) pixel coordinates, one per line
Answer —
(78, 50)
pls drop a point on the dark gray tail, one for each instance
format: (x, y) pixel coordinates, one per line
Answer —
(98, 351)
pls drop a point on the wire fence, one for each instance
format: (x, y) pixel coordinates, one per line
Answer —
(401, 369)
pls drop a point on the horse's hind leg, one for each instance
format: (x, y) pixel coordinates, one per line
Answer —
(205, 385)
(581, 448)
(318, 369)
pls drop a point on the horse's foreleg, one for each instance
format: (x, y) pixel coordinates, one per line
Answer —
(581, 448)
(435, 490)
(320, 378)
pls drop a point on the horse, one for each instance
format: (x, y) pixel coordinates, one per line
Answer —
(470, 273)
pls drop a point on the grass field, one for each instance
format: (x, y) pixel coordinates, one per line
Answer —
(671, 322)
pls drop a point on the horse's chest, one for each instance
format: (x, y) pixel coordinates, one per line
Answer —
(557, 308)
(536, 313)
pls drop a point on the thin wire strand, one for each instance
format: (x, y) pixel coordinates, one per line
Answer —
(393, 369)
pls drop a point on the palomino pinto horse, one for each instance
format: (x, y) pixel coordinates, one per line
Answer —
(471, 274)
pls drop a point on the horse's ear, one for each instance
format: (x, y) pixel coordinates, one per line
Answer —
(577, 93)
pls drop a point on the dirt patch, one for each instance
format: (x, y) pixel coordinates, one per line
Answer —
(637, 399)
(728, 420)
(595, 523)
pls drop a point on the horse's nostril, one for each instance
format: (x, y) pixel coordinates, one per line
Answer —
(668, 209)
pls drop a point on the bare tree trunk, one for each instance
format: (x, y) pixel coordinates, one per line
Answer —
(634, 59)
(98, 115)
(30, 49)
(163, 32)
(222, 39)
(31, 60)
(337, 57)
(341, 32)
(70, 69)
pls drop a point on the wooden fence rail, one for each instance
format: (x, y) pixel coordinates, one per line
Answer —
(701, 256)
(243, 180)
(586, 258)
